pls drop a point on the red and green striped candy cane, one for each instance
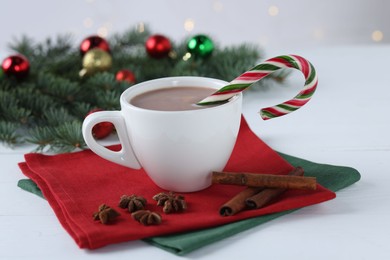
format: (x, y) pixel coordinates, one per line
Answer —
(262, 70)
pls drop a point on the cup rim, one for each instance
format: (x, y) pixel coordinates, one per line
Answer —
(140, 88)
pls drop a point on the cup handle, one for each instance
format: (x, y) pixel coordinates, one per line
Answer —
(125, 156)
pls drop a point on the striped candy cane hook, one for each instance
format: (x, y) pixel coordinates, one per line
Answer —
(262, 70)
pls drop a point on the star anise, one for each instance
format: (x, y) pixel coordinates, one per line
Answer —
(105, 214)
(132, 203)
(171, 202)
(147, 217)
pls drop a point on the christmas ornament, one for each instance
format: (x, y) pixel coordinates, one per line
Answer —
(55, 58)
(125, 75)
(103, 129)
(16, 65)
(94, 42)
(96, 60)
(158, 46)
(264, 69)
(200, 45)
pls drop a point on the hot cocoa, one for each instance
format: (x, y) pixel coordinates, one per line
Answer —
(172, 98)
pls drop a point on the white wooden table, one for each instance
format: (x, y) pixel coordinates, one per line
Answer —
(346, 123)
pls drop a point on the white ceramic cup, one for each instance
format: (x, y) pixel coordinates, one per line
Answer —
(177, 149)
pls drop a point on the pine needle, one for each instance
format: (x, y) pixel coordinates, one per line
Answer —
(68, 137)
(8, 133)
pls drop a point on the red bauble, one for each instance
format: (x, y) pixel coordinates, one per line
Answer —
(94, 41)
(158, 46)
(125, 75)
(16, 65)
(103, 129)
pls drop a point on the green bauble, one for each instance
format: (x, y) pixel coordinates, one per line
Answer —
(200, 46)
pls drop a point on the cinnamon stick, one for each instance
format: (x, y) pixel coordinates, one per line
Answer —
(265, 180)
(265, 196)
(238, 202)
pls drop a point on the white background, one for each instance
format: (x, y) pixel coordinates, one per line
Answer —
(346, 122)
(280, 26)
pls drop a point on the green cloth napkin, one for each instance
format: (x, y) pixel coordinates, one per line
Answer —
(330, 176)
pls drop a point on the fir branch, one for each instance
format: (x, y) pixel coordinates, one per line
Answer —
(63, 90)
(38, 104)
(81, 109)
(53, 101)
(108, 100)
(11, 110)
(68, 137)
(129, 41)
(41, 136)
(25, 45)
(8, 133)
(6, 85)
(233, 61)
(57, 116)
(105, 81)
(60, 46)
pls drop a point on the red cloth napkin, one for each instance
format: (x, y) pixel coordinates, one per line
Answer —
(75, 184)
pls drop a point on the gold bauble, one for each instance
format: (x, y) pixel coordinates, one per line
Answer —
(96, 60)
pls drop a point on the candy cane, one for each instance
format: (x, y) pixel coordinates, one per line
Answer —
(262, 70)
